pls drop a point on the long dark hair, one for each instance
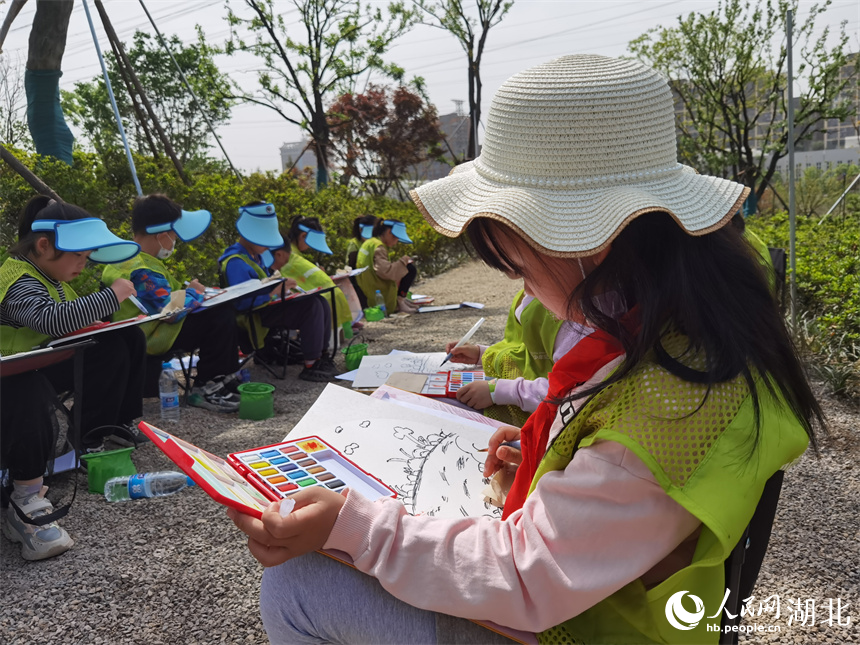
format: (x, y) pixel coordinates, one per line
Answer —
(358, 222)
(42, 207)
(710, 287)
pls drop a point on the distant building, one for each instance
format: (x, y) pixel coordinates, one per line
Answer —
(301, 151)
(455, 128)
(832, 142)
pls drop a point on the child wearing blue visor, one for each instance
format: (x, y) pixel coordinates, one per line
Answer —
(55, 241)
(306, 234)
(157, 222)
(362, 229)
(392, 279)
(250, 258)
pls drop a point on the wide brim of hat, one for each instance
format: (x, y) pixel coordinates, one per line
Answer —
(316, 240)
(262, 231)
(576, 221)
(399, 231)
(192, 224)
(92, 234)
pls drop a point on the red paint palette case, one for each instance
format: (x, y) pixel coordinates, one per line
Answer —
(252, 479)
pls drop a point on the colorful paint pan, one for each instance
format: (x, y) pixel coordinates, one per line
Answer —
(284, 469)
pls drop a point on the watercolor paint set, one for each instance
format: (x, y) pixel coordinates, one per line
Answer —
(252, 479)
(449, 383)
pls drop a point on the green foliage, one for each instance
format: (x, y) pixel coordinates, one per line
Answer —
(816, 190)
(107, 191)
(828, 288)
(306, 66)
(729, 83)
(88, 105)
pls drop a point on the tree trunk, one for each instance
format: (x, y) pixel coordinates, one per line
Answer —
(45, 119)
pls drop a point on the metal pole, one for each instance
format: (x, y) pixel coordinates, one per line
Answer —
(113, 101)
(791, 172)
(832, 208)
(188, 87)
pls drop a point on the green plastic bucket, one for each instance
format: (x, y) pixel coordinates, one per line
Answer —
(352, 355)
(101, 466)
(256, 401)
(373, 313)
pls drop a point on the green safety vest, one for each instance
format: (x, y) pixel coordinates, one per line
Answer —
(23, 339)
(526, 351)
(369, 282)
(160, 335)
(309, 276)
(352, 247)
(700, 455)
(243, 318)
(763, 256)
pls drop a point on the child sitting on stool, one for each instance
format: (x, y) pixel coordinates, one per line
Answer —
(244, 260)
(157, 221)
(392, 279)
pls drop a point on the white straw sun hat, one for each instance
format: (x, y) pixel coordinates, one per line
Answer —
(574, 149)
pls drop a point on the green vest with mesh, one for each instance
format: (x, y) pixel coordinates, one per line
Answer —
(246, 319)
(526, 351)
(369, 282)
(160, 335)
(763, 256)
(23, 339)
(700, 455)
(309, 276)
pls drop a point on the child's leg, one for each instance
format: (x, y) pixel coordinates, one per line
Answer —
(26, 431)
(344, 605)
(310, 315)
(406, 281)
(112, 386)
(214, 332)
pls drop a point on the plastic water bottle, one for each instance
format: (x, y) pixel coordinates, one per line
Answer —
(168, 390)
(160, 484)
(380, 302)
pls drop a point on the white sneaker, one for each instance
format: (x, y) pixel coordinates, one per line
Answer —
(37, 542)
(214, 396)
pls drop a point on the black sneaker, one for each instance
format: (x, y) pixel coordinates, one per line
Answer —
(129, 435)
(327, 364)
(315, 374)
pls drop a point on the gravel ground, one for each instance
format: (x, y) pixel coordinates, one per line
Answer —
(176, 570)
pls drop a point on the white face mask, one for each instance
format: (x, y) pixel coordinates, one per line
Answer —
(163, 253)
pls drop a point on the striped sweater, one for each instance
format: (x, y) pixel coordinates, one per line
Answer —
(28, 304)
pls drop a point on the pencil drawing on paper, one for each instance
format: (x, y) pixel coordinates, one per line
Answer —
(434, 465)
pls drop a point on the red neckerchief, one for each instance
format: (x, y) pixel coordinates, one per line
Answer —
(573, 369)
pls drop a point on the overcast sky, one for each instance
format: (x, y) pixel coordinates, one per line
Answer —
(532, 32)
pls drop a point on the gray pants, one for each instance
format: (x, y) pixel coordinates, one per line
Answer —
(314, 599)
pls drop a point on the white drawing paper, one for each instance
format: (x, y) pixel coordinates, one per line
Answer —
(375, 370)
(434, 464)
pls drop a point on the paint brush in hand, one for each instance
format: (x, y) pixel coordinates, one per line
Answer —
(463, 340)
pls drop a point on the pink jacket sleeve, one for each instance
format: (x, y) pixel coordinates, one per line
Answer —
(583, 534)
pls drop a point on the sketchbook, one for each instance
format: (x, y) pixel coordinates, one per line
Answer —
(247, 288)
(434, 462)
(375, 370)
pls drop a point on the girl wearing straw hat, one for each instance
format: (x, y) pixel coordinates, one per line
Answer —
(643, 466)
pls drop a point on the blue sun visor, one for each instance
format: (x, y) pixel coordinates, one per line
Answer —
(366, 231)
(398, 230)
(88, 234)
(190, 225)
(259, 225)
(315, 239)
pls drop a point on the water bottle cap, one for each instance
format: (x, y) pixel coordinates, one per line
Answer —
(166, 365)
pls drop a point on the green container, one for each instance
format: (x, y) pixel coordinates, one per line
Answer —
(256, 401)
(352, 355)
(373, 313)
(101, 466)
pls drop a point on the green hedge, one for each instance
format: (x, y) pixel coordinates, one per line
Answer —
(104, 188)
(828, 268)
